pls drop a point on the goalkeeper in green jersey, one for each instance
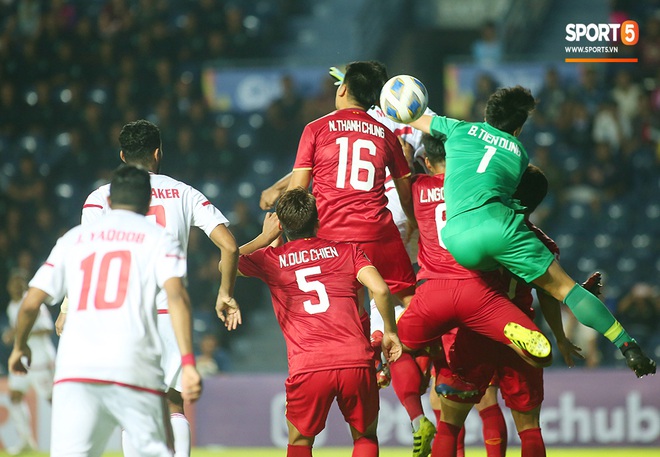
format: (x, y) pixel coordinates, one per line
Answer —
(485, 225)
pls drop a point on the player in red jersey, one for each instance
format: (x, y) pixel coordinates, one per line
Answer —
(451, 296)
(346, 154)
(315, 285)
(520, 383)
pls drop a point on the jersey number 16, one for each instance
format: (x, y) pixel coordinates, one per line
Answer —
(357, 164)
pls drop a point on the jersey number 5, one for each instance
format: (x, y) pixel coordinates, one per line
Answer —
(116, 262)
(313, 286)
(357, 164)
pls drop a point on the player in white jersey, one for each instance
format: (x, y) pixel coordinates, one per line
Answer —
(108, 369)
(40, 377)
(177, 207)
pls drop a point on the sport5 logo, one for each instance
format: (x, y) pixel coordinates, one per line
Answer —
(627, 32)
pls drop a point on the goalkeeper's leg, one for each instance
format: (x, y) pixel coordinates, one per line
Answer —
(590, 311)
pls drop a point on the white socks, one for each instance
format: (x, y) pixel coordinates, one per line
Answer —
(416, 422)
(20, 417)
(181, 430)
(127, 447)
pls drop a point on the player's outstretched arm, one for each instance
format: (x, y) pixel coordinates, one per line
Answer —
(423, 123)
(370, 278)
(551, 310)
(178, 303)
(61, 318)
(300, 178)
(228, 268)
(27, 315)
(404, 189)
(270, 195)
(270, 232)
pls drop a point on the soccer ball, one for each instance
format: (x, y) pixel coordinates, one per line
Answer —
(404, 99)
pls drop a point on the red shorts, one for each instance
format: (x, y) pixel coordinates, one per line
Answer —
(442, 304)
(391, 259)
(476, 359)
(310, 395)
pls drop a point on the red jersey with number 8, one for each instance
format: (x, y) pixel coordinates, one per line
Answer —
(314, 288)
(348, 152)
(435, 261)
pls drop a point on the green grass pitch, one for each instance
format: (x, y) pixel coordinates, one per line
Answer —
(398, 452)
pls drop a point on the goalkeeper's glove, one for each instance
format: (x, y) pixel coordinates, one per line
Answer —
(593, 284)
(337, 74)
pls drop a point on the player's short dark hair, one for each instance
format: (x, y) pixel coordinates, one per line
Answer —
(131, 186)
(507, 108)
(296, 210)
(139, 140)
(434, 147)
(365, 80)
(532, 189)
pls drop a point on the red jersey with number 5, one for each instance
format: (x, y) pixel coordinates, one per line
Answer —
(314, 288)
(434, 259)
(348, 152)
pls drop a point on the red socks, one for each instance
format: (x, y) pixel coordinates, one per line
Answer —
(444, 443)
(406, 380)
(365, 447)
(460, 439)
(298, 451)
(494, 430)
(460, 443)
(531, 443)
(437, 412)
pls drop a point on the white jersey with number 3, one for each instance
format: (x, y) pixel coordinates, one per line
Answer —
(111, 271)
(174, 205)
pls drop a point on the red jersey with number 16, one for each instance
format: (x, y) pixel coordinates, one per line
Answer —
(348, 152)
(435, 261)
(314, 287)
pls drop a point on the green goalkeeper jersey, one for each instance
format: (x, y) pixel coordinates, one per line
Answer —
(482, 163)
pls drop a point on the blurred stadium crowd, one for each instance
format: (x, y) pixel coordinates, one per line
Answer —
(73, 72)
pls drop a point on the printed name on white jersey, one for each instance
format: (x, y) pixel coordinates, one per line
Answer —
(304, 256)
(165, 193)
(114, 235)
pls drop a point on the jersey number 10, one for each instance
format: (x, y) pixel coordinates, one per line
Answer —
(121, 270)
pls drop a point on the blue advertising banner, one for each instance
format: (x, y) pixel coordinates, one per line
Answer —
(254, 89)
(582, 408)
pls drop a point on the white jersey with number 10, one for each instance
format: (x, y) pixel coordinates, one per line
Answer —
(111, 271)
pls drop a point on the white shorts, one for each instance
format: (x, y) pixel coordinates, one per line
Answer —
(171, 358)
(85, 415)
(376, 319)
(39, 378)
